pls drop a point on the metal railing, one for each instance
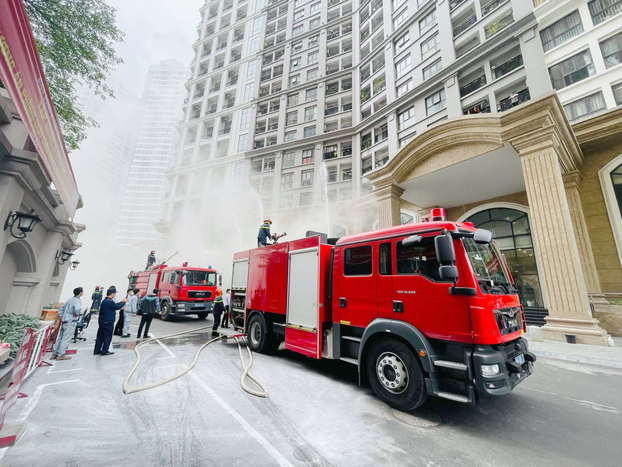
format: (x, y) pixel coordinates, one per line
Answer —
(42, 339)
(513, 100)
(466, 24)
(507, 66)
(490, 6)
(473, 86)
(453, 4)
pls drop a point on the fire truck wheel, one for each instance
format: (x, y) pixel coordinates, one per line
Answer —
(395, 374)
(202, 316)
(166, 312)
(257, 333)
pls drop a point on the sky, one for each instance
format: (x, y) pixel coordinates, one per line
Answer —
(154, 31)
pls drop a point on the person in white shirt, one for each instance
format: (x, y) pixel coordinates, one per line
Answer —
(68, 314)
(130, 310)
(225, 315)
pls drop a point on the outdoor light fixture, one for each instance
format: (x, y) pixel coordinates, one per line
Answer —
(63, 256)
(73, 265)
(26, 222)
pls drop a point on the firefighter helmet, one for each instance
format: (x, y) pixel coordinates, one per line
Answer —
(267, 221)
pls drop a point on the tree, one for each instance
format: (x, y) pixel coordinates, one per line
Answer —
(75, 40)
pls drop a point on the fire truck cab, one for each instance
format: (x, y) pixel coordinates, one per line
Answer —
(182, 290)
(426, 309)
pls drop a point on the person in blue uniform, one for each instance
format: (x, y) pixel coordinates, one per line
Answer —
(107, 314)
(264, 234)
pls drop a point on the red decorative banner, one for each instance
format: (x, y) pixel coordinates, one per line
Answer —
(19, 370)
(22, 75)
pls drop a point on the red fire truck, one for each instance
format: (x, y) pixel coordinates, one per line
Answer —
(426, 309)
(182, 290)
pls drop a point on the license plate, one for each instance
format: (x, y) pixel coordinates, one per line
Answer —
(520, 359)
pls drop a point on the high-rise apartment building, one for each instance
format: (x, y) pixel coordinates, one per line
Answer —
(144, 190)
(365, 114)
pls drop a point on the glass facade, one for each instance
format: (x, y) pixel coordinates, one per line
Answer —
(510, 228)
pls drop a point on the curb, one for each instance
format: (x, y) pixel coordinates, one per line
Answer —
(578, 359)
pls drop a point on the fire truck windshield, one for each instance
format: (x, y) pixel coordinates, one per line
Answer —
(487, 264)
(199, 278)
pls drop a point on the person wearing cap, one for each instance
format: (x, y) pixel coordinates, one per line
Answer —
(107, 313)
(68, 314)
(129, 311)
(151, 259)
(264, 234)
(97, 298)
(217, 311)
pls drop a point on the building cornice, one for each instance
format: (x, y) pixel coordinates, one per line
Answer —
(598, 127)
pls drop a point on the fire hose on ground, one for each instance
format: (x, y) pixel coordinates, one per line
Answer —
(262, 392)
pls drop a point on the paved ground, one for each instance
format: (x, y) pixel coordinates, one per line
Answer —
(565, 414)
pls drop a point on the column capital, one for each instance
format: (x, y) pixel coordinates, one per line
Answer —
(547, 138)
(388, 191)
(571, 179)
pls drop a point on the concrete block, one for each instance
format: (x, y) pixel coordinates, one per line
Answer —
(535, 333)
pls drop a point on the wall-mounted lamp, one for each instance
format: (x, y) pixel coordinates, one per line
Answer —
(73, 265)
(25, 221)
(63, 256)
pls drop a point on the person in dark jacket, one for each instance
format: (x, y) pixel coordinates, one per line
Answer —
(151, 259)
(264, 234)
(107, 313)
(97, 298)
(217, 311)
(148, 308)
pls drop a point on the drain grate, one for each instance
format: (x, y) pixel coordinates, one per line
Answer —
(420, 418)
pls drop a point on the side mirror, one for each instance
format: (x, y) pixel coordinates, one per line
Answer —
(482, 236)
(412, 240)
(448, 273)
(220, 280)
(445, 252)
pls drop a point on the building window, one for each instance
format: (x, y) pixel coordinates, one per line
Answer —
(251, 70)
(306, 199)
(358, 261)
(294, 80)
(429, 47)
(313, 58)
(315, 8)
(562, 30)
(254, 45)
(400, 18)
(435, 102)
(401, 43)
(431, 70)
(289, 159)
(612, 50)
(290, 135)
(586, 106)
(572, 70)
(286, 201)
(294, 64)
(243, 142)
(307, 156)
(299, 15)
(312, 74)
(310, 113)
(297, 31)
(292, 99)
(238, 171)
(603, 9)
(314, 23)
(313, 40)
(306, 178)
(403, 66)
(404, 88)
(617, 93)
(256, 26)
(512, 231)
(287, 181)
(406, 118)
(291, 118)
(248, 92)
(428, 22)
(309, 131)
(311, 95)
(245, 119)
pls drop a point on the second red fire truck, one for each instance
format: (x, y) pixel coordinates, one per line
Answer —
(426, 309)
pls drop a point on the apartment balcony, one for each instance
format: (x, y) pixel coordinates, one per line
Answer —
(206, 53)
(199, 94)
(210, 30)
(258, 144)
(235, 58)
(537, 3)
(465, 25)
(492, 6)
(219, 65)
(346, 152)
(473, 86)
(333, 35)
(513, 100)
(508, 66)
(346, 86)
(230, 103)
(453, 4)
(241, 16)
(333, 109)
(264, 92)
(232, 81)
(237, 39)
(330, 155)
(482, 107)
(213, 109)
(208, 133)
(331, 89)
(226, 130)
(215, 88)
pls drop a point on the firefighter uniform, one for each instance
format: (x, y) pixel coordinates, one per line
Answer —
(97, 298)
(151, 260)
(264, 234)
(217, 311)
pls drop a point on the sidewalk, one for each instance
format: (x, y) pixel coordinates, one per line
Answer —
(581, 353)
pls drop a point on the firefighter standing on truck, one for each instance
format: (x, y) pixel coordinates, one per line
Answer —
(151, 259)
(264, 234)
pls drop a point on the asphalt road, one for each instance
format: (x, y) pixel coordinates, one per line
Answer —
(316, 414)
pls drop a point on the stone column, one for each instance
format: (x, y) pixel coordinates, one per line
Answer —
(558, 252)
(571, 183)
(388, 205)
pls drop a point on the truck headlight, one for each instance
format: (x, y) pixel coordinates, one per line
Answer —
(181, 305)
(490, 370)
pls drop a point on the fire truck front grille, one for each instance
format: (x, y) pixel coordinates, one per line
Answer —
(509, 320)
(199, 294)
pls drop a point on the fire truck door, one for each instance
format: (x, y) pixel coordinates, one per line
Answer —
(385, 280)
(421, 298)
(357, 296)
